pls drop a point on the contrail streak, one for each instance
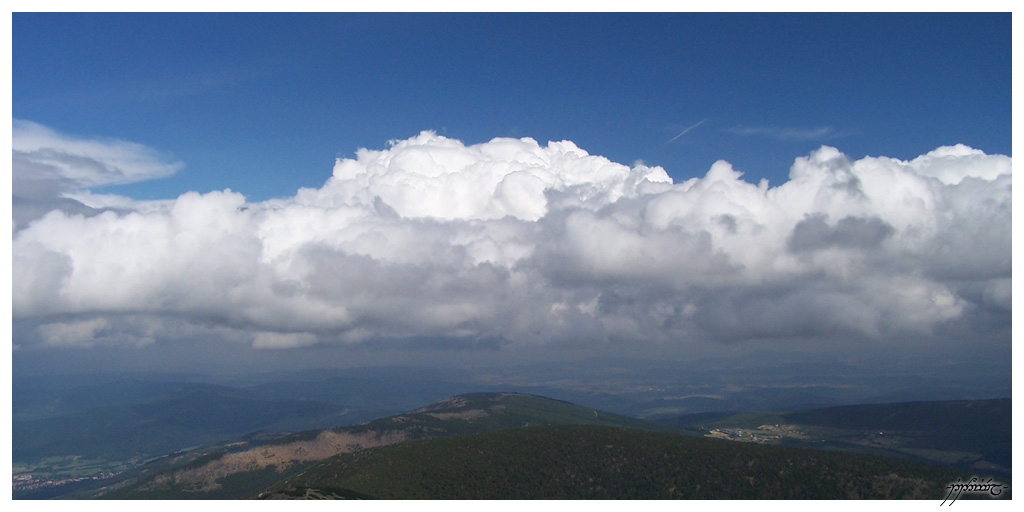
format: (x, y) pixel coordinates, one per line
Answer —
(688, 129)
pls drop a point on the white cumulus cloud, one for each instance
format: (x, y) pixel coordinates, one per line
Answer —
(512, 242)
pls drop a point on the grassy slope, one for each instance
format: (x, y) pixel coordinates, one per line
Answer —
(596, 462)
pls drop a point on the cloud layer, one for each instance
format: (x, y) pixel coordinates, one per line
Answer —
(513, 243)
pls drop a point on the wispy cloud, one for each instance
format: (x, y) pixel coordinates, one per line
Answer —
(698, 123)
(51, 168)
(790, 133)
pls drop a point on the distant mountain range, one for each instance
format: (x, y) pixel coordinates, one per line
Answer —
(182, 416)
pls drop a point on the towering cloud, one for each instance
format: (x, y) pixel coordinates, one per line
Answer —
(516, 243)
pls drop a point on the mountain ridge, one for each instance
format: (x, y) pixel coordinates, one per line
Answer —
(606, 462)
(460, 414)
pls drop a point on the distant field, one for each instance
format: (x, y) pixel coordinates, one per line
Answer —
(970, 435)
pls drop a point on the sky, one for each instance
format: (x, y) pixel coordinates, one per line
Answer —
(218, 187)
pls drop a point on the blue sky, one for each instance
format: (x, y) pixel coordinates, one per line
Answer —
(263, 104)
